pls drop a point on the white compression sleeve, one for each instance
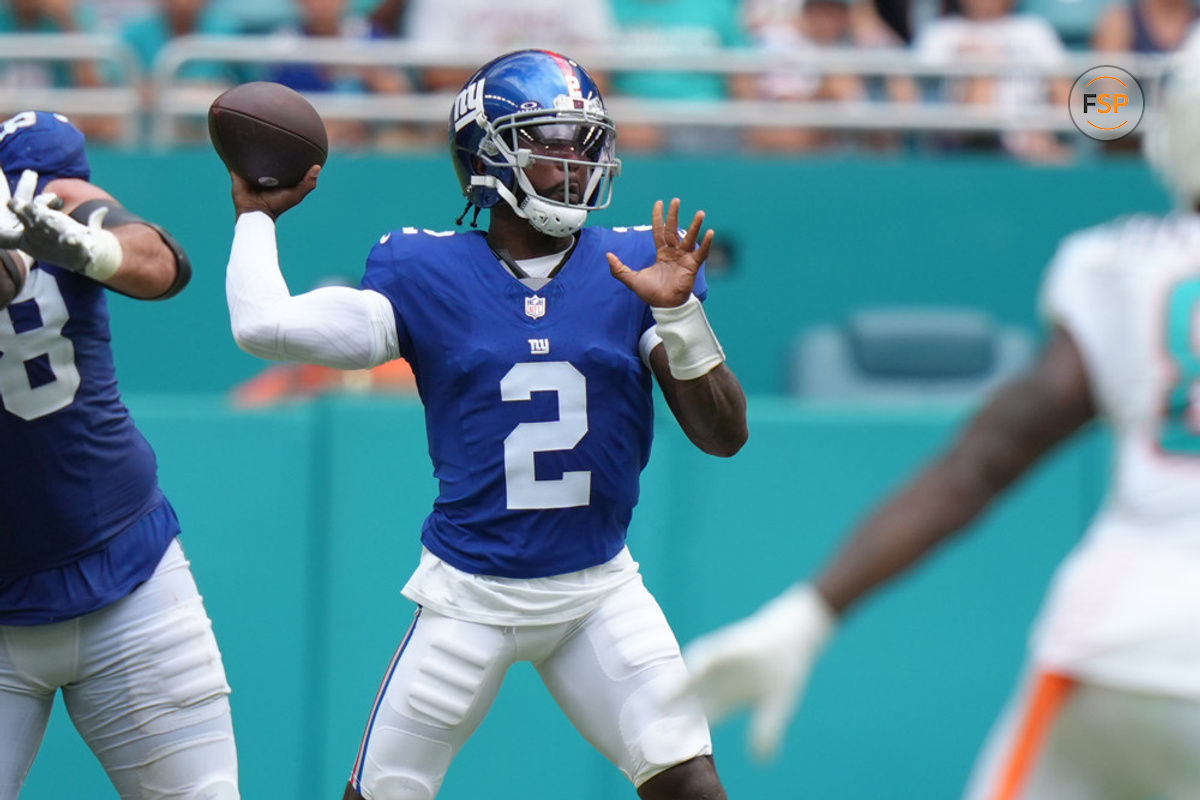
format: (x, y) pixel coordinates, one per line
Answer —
(334, 326)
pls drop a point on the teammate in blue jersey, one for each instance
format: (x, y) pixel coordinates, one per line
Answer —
(96, 597)
(534, 346)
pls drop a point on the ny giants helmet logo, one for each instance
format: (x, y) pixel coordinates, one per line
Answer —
(468, 105)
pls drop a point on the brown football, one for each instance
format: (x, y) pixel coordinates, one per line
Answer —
(267, 133)
(14, 270)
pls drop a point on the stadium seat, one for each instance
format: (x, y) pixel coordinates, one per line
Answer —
(1073, 19)
(264, 16)
(907, 354)
(259, 17)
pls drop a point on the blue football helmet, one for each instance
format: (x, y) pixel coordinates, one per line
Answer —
(44, 142)
(530, 106)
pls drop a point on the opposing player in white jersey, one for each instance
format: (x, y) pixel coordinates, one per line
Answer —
(535, 366)
(96, 597)
(1110, 707)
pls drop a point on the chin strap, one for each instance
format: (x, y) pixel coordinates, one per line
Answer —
(467, 210)
(550, 219)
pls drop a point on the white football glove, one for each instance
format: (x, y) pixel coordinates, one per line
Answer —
(11, 228)
(52, 236)
(762, 662)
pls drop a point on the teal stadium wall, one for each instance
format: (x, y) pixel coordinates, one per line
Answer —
(302, 521)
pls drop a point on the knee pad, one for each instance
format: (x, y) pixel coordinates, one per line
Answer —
(219, 790)
(400, 787)
(419, 775)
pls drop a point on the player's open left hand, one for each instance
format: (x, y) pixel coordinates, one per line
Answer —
(669, 280)
(272, 202)
(762, 663)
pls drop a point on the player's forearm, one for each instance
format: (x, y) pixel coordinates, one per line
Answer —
(703, 393)
(334, 326)
(1016, 427)
(711, 410)
(149, 268)
(904, 530)
(78, 226)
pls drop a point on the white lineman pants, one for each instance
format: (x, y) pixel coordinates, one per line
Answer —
(143, 682)
(616, 673)
(1061, 739)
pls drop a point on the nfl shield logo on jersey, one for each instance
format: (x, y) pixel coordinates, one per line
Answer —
(535, 307)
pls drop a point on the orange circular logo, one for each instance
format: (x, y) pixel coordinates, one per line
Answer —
(1106, 103)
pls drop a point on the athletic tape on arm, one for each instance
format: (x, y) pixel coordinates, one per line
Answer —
(692, 347)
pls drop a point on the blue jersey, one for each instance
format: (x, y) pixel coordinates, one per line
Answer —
(82, 520)
(538, 407)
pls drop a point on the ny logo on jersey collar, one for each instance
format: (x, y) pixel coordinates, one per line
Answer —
(535, 307)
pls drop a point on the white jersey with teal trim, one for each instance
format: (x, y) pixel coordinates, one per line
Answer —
(1124, 607)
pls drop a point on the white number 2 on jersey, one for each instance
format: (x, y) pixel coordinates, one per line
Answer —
(525, 491)
(20, 396)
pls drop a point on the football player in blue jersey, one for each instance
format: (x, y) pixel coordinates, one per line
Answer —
(534, 346)
(96, 597)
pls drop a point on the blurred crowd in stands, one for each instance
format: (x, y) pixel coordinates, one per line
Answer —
(1030, 33)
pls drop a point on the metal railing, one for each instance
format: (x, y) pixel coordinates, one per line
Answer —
(874, 115)
(115, 60)
(175, 102)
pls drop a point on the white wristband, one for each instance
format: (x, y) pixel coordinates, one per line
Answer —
(692, 347)
(106, 255)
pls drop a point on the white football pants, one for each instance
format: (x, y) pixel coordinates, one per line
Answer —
(143, 682)
(615, 672)
(1060, 739)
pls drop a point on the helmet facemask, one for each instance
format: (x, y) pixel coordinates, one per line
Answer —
(580, 142)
